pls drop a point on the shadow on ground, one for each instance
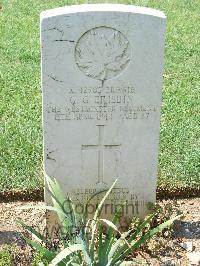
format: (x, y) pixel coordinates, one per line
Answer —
(11, 237)
(187, 229)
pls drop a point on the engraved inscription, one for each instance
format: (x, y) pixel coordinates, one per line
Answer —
(120, 196)
(102, 53)
(101, 104)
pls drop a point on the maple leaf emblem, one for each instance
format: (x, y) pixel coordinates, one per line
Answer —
(102, 53)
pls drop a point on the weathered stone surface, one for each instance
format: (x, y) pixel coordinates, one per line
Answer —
(102, 71)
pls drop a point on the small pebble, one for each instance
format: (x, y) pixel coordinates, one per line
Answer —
(194, 258)
(187, 246)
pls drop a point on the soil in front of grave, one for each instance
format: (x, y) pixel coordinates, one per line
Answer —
(163, 251)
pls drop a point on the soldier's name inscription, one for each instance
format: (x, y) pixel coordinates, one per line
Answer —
(100, 103)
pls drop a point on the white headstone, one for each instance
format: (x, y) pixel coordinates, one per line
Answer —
(102, 71)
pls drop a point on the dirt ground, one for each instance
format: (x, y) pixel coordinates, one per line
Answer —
(169, 250)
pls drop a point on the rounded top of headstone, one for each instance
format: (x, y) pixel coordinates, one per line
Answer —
(101, 8)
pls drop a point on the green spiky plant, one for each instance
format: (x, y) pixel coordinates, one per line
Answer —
(91, 246)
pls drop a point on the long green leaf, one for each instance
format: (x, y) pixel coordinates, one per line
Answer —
(34, 232)
(100, 245)
(147, 236)
(97, 212)
(141, 227)
(109, 262)
(111, 234)
(108, 259)
(84, 236)
(94, 221)
(66, 253)
(85, 216)
(134, 235)
(117, 244)
(42, 207)
(47, 254)
(111, 224)
(58, 199)
(67, 215)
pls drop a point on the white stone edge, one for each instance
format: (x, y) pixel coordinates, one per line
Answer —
(101, 8)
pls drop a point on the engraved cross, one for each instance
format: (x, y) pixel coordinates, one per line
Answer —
(100, 147)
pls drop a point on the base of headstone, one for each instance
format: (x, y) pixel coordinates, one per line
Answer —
(129, 212)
